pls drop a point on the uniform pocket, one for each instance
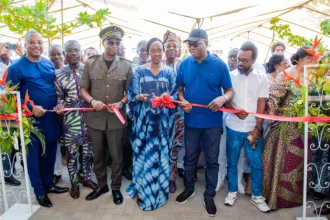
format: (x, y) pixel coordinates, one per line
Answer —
(96, 81)
(119, 79)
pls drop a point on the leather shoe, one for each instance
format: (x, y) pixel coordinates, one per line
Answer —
(97, 192)
(117, 197)
(56, 178)
(181, 172)
(58, 190)
(44, 201)
(74, 193)
(127, 174)
(172, 186)
(89, 184)
(12, 181)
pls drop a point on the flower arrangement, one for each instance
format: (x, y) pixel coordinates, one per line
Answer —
(318, 90)
(9, 129)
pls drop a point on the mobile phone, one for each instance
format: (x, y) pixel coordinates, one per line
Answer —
(11, 47)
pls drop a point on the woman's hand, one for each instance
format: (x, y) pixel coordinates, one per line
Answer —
(142, 97)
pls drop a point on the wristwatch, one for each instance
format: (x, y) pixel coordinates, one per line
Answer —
(260, 128)
(121, 104)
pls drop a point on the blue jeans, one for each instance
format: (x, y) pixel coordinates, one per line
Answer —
(235, 141)
(192, 139)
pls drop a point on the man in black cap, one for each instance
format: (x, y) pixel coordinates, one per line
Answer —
(105, 80)
(200, 79)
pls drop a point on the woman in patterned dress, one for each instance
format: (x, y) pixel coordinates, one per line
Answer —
(150, 136)
(283, 153)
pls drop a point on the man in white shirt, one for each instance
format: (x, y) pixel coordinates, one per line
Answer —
(243, 130)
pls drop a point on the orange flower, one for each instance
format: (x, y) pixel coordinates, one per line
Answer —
(4, 77)
(290, 78)
(26, 101)
(316, 55)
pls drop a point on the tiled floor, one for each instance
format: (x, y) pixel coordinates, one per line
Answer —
(64, 207)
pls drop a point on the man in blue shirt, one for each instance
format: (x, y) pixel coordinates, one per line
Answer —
(36, 74)
(201, 79)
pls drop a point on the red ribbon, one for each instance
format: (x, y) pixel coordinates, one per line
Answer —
(159, 101)
(14, 116)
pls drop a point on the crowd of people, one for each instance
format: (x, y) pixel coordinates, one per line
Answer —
(155, 140)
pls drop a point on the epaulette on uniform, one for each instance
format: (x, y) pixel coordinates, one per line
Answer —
(94, 56)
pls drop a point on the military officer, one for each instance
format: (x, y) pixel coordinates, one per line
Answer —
(105, 80)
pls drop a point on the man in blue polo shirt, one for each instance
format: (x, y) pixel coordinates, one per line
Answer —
(200, 79)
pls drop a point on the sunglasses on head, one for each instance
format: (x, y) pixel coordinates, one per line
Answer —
(111, 43)
(193, 43)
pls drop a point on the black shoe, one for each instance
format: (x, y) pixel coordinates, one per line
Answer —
(172, 186)
(97, 192)
(181, 172)
(44, 201)
(127, 174)
(58, 190)
(12, 181)
(210, 208)
(117, 197)
(184, 196)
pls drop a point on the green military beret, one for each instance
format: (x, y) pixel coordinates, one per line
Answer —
(111, 32)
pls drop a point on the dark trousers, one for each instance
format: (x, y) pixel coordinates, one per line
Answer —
(41, 167)
(192, 139)
(128, 152)
(115, 140)
(7, 163)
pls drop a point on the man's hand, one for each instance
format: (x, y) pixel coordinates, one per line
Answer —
(98, 105)
(19, 50)
(3, 48)
(38, 111)
(58, 109)
(217, 103)
(241, 115)
(142, 97)
(255, 133)
(186, 107)
(118, 105)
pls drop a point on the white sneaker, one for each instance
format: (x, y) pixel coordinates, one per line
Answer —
(231, 198)
(260, 203)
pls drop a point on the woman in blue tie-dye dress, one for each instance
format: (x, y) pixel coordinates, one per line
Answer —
(151, 129)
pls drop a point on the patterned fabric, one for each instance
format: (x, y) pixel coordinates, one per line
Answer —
(74, 131)
(283, 154)
(150, 137)
(174, 65)
(178, 130)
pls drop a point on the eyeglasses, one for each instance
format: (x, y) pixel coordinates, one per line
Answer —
(111, 43)
(193, 43)
(233, 57)
(142, 50)
(71, 51)
(245, 61)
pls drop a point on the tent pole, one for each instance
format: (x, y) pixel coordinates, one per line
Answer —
(270, 46)
(62, 24)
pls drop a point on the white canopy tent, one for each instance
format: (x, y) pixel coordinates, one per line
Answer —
(228, 24)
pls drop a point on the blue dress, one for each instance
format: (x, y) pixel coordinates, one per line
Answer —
(150, 137)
